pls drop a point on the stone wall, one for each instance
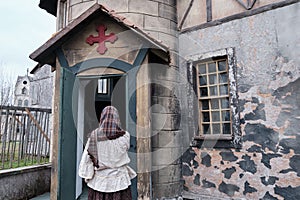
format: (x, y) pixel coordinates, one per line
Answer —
(156, 17)
(268, 79)
(24, 182)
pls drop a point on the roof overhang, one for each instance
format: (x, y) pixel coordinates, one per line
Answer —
(45, 54)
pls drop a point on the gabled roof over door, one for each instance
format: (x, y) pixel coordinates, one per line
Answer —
(46, 54)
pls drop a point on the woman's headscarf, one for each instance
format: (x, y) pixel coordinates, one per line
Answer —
(109, 129)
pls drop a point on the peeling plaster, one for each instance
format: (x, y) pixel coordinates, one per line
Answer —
(268, 102)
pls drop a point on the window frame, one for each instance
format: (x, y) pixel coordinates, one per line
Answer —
(210, 98)
(62, 14)
(105, 88)
(216, 141)
(24, 91)
(26, 103)
(20, 102)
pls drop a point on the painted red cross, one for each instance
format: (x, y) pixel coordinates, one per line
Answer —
(101, 39)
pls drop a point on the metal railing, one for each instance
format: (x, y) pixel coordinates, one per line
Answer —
(24, 136)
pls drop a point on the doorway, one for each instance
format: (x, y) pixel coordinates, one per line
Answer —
(94, 94)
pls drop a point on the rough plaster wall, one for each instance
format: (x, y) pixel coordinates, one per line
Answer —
(197, 14)
(268, 79)
(229, 7)
(220, 9)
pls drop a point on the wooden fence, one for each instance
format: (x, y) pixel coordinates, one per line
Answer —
(24, 136)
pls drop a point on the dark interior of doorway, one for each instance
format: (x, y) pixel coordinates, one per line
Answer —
(115, 96)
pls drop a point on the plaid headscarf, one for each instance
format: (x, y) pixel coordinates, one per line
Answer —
(109, 129)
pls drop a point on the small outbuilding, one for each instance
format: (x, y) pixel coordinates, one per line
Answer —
(102, 59)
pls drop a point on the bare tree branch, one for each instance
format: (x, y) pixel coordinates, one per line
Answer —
(6, 87)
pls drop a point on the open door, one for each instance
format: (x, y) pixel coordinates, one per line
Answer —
(94, 94)
(67, 137)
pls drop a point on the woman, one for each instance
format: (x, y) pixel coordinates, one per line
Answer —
(104, 162)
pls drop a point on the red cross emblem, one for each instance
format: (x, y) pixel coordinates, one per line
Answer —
(101, 39)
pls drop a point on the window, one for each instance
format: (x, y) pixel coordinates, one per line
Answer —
(24, 90)
(26, 102)
(213, 97)
(102, 86)
(62, 18)
(19, 102)
(213, 80)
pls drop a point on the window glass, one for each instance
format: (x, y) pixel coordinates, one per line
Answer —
(102, 86)
(222, 66)
(213, 96)
(24, 90)
(212, 67)
(26, 103)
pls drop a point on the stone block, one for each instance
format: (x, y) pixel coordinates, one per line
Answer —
(166, 122)
(143, 7)
(169, 39)
(117, 6)
(174, 25)
(168, 12)
(168, 2)
(136, 19)
(165, 105)
(164, 72)
(166, 139)
(165, 156)
(167, 190)
(158, 24)
(168, 174)
(153, 34)
(77, 9)
(165, 89)
(174, 58)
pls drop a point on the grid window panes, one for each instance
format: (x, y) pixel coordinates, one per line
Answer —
(213, 96)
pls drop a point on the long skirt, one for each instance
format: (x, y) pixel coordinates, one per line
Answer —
(119, 195)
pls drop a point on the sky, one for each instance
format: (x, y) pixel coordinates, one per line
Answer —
(24, 27)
